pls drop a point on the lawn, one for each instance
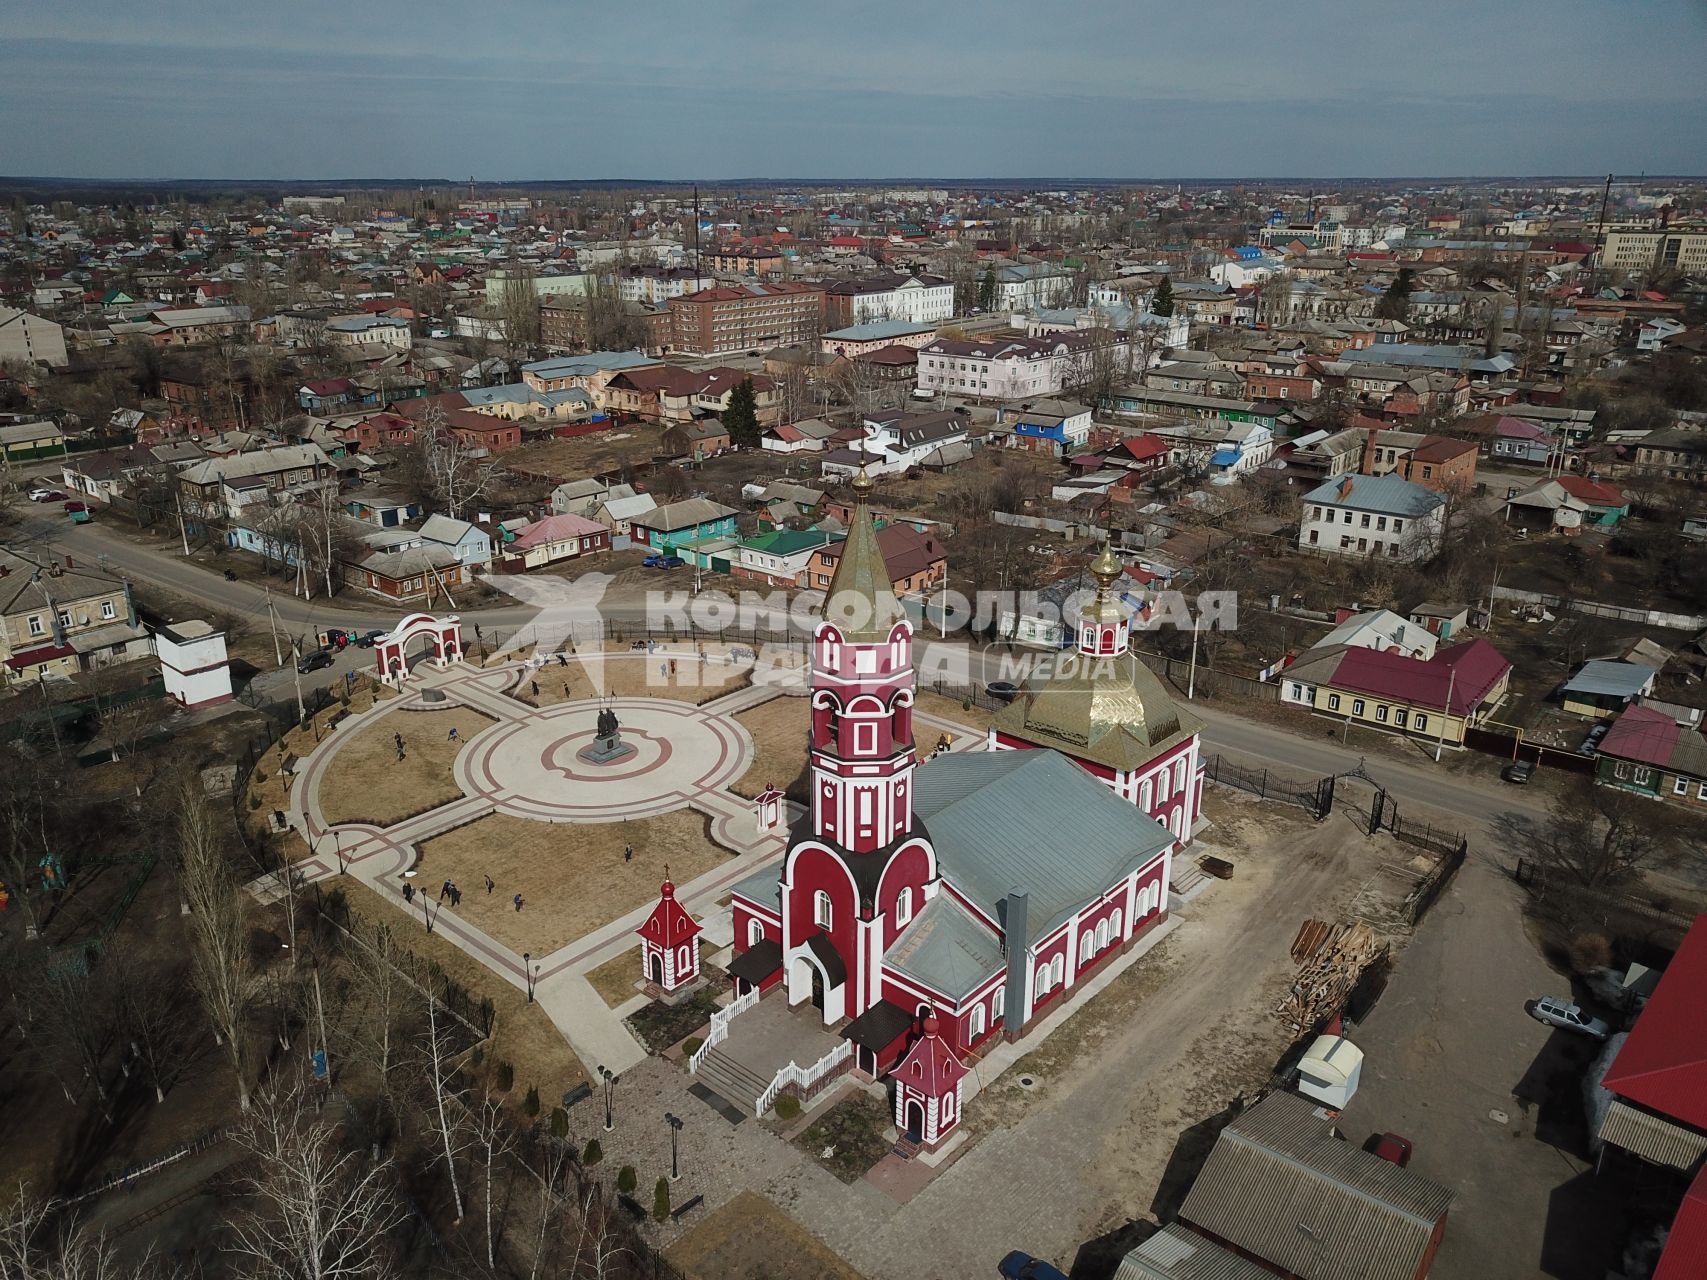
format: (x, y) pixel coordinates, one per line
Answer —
(779, 741)
(935, 704)
(661, 1025)
(571, 876)
(751, 1239)
(366, 782)
(852, 1132)
(522, 1033)
(591, 675)
(615, 980)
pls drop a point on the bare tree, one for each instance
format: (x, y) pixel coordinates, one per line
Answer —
(38, 1242)
(151, 1019)
(490, 1129)
(25, 792)
(442, 470)
(380, 989)
(518, 310)
(323, 1212)
(438, 1049)
(220, 968)
(1602, 835)
(74, 1024)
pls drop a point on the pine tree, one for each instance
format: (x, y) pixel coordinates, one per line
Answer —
(1396, 302)
(741, 418)
(661, 1200)
(987, 289)
(1162, 301)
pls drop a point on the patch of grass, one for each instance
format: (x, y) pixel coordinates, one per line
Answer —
(614, 979)
(571, 876)
(749, 1238)
(852, 1132)
(780, 746)
(366, 782)
(661, 1025)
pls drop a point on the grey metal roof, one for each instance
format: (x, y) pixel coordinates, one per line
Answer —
(1610, 679)
(947, 948)
(1176, 1253)
(1385, 495)
(763, 887)
(1278, 1185)
(1032, 820)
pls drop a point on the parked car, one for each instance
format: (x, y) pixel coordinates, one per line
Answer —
(1001, 690)
(1022, 1266)
(79, 513)
(313, 661)
(338, 638)
(367, 639)
(1518, 771)
(658, 560)
(1390, 1146)
(46, 495)
(1559, 1012)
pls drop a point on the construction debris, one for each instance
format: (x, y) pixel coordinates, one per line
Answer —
(1332, 957)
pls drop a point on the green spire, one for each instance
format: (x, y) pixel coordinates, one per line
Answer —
(861, 600)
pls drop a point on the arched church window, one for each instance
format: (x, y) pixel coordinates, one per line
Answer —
(904, 905)
(755, 932)
(821, 910)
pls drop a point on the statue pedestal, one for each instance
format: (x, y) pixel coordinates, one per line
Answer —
(606, 749)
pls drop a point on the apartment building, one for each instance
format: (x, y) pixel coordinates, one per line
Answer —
(29, 339)
(733, 319)
(1358, 515)
(916, 299)
(655, 286)
(1633, 249)
(1008, 369)
(60, 619)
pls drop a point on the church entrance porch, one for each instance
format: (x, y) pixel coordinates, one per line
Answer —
(761, 1042)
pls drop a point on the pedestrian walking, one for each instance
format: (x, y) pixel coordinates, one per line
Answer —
(452, 735)
(628, 853)
(408, 892)
(490, 884)
(672, 667)
(535, 684)
(455, 896)
(400, 753)
(477, 633)
(398, 739)
(518, 901)
(444, 890)
(565, 688)
(663, 669)
(562, 661)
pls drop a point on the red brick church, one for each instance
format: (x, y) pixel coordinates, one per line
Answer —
(934, 908)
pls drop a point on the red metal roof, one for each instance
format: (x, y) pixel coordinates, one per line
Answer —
(1642, 734)
(1467, 672)
(1145, 447)
(35, 657)
(1663, 1064)
(1685, 1256)
(930, 1066)
(669, 923)
(1592, 491)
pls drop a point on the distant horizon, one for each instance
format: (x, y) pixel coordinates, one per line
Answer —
(997, 88)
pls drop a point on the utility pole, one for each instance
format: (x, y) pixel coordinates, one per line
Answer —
(296, 668)
(1191, 682)
(273, 626)
(1446, 714)
(320, 1017)
(183, 533)
(1600, 238)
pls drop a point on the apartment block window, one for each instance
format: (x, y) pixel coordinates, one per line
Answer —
(1422, 722)
(36, 627)
(107, 610)
(1333, 702)
(1357, 706)
(1365, 522)
(64, 617)
(1381, 713)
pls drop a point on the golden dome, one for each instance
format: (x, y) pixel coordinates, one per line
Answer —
(1114, 711)
(1106, 568)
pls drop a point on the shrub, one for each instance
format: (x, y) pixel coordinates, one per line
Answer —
(1589, 951)
(661, 1200)
(254, 801)
(593, 1153)
(531, 1105)
(787, 1107)
(506, 1077)
(627, 1179)
(691, 1045)
(559, 1123)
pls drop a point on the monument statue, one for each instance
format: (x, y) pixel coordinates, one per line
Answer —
(607, 746)
(607, 722)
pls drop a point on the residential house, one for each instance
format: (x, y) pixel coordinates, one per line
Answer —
(1146, 454)
(23, 441)
(1016, 368)
(677, 524)
(468, 544)
(1601, 688)
(1322, 455)
(553, 539)
(1380, 629)
(1504, 438)
(58, 619)
(896, 442)
(917, 561)
(780, 557)
(1442, 618)
(874, 335)
(382, 510)
(1648, 752)
(1436, 699)
(1030, 286)
(1568, 504)
(222, 488)
(1056, 427)
(584, 497)
(1446, 466)
(698, 438)
(1677, 454)
(589, 372)
(1242, 449)
(618, 514)
(415, 572)
(1372, 515)
(809, 435)
(328, 395)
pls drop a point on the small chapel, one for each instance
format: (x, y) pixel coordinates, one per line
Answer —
(928, 910)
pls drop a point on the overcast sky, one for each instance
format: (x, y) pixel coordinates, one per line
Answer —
(518, 89)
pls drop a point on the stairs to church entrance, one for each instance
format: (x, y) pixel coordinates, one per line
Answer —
(735, 1083)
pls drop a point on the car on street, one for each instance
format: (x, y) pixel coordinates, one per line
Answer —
(1022, 1266)
(313, 661)
(46, 495)
(1391, 1146)
(1001, 690)
(337, 638)
(367, 639)
(1558, 1012)
(1518, 771)
(658, 560)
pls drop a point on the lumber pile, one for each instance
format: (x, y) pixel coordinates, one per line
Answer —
(1331, 958)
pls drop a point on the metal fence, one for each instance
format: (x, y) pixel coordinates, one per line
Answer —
(1315, 797)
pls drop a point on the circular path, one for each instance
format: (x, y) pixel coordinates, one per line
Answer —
(529, 767)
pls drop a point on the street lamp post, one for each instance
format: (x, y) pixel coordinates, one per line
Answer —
(527, 969)
(675, 1123)
(609, 1078)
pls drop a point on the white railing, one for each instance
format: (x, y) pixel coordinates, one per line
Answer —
(803, 1078)
(720, 1021)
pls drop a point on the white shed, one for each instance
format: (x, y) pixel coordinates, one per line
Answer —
(1330, 1070)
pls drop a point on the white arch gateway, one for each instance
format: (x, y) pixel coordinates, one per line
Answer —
(391, 649)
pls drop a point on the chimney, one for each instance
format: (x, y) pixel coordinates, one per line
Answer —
(70, 563)
(1014, 943)
(1345, 487)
